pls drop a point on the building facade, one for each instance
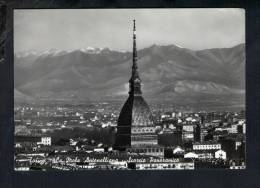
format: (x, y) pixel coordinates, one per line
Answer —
(135, 128)
(206, 146)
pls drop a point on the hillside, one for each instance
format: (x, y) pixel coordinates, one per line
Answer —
(167, 72)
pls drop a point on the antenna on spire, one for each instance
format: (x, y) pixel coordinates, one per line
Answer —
(134, 31)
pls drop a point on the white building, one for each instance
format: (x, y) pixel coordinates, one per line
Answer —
(99, 150)
(233, 129)
(177, 150)
(188, 132)
(22, 168)
(238, 144)
(244, 128)
(152, 151)
(220, 154)
(205, 155)
(206, 146)
(186, 136)
(171, 126)
(73, 142)
(191, 155)
(46, 141)
(188, 128)
(237, 167)
(165, 166)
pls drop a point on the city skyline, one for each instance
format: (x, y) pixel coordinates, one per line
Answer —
(107, 135)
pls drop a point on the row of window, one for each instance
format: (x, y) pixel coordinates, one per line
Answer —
(155, 166)
(143, 138)
(164, 166)
(215, 146)
(148, 150)
(142, 130)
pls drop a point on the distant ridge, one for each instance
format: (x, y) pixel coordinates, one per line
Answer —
(169, 72)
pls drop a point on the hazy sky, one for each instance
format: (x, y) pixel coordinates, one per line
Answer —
(62, 29)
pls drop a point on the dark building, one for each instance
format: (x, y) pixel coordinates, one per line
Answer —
(27, 139)
(135, 128)
(197, 132)
(171, 139)
(234, 147)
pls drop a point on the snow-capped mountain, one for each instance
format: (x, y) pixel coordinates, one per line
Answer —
(169, 72)
(55, 52)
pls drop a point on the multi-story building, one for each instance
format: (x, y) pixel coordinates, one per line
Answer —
(188, 132)
(206, 146)
(187, 165)
(46, 141)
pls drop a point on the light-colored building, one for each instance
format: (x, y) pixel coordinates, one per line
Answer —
(191, 155)
(203, 133)
(186, 136)
(152, 151)
(205, 156)
(216, 122)
(237, 167)
(22, 168)
(238, 144)
(73, 142)
(46, 141)
(178, 150)
(244, 128)
(206, 146)
(188, 132)
(233, 129)
(188, 128)
(99, 150)
(220, 154)
(165, 166)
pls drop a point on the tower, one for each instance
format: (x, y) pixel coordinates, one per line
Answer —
(135, 128)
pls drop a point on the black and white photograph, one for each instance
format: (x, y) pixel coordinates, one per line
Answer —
(129, 89)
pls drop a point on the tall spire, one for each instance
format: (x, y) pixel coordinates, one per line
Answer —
(135, 81)
(134, 68)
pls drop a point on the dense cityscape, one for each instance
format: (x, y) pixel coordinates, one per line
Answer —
(158, 135)
(74, 137)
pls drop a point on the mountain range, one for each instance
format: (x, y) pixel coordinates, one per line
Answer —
(215, 76)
